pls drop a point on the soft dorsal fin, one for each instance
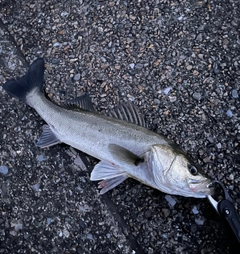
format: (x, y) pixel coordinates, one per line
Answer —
(129, 113)
(80, 103)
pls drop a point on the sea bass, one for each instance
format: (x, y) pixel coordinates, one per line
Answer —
(123, 145)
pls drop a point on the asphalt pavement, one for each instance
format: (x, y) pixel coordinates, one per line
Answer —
(178, 62)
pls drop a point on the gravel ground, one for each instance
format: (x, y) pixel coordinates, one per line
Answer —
(179, 62)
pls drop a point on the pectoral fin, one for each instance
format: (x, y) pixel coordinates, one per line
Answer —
(47, 138)
(111, 176)
(122, 154)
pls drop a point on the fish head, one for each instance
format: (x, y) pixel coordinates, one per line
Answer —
(175, 174)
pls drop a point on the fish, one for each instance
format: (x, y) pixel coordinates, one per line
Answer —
(120, 140)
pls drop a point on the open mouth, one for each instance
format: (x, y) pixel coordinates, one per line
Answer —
(204, 187)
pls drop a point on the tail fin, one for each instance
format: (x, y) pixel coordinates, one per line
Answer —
(32, 79)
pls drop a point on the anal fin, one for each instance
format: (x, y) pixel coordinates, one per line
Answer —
(108, 184)
(47, 138)
(110, 175)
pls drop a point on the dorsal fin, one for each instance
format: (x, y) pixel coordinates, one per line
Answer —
(80, 103)
(129, 113)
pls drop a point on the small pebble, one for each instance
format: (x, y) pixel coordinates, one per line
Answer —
(89, 236)
(193, 228)
(219, 145)
(166, 212)
(36, 186)
(234, 94)
(172, 98)
(66, 233)
(199, 37)
(78, 161)
(15, 226)
(167, 90)
(215, 68)
(26, 235)
(229, 113)
(56, 61)
(170, 200)
(4, 170)
(164, 236)
(139, 66)
(56, 44)
(82, 224)
(199, 221)
(148, 213)
(77, 77)
(231, 177)
(41, 158)
(197, 96)
(180, 18)
(103, 59)
(195, 210)
(64, 14)
(195, 73)
(49, 221)
(131, 65)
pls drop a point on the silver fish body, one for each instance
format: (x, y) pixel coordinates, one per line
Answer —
(124, 149)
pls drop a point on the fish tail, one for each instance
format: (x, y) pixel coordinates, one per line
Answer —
(32, 80)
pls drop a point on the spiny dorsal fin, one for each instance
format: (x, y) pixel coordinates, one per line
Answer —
(122, 154)
(80, 103)
(129, 113)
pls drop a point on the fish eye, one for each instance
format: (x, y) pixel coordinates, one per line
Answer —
(193, 170)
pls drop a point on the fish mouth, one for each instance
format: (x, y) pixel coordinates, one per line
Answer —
(201, 187)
